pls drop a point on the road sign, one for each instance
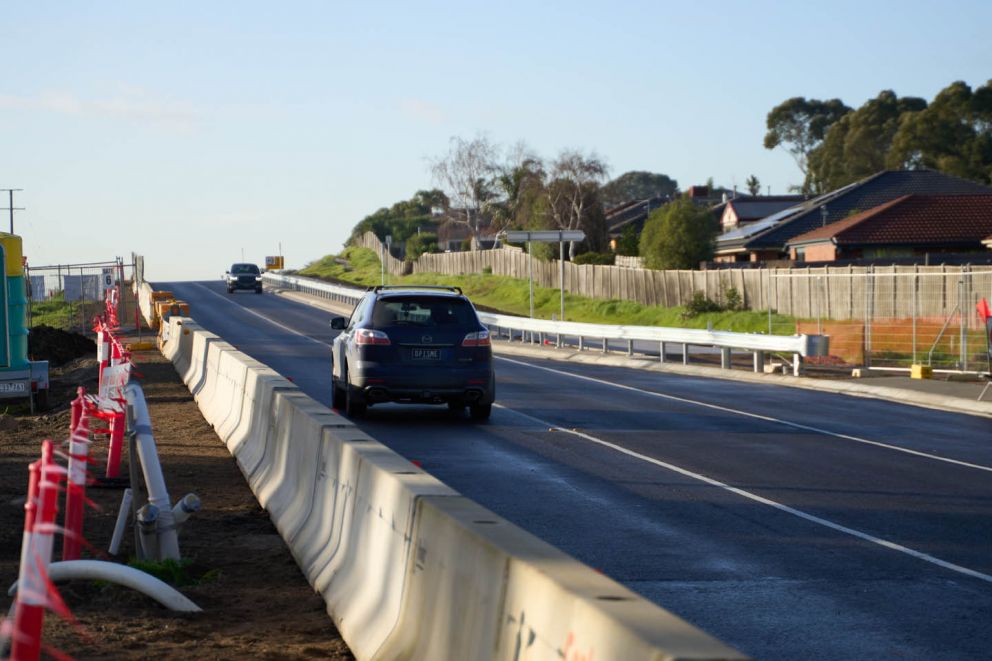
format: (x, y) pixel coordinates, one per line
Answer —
(545, 236)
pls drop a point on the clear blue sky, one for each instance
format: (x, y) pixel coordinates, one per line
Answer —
(190, 131)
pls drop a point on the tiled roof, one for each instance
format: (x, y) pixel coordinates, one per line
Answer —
(775, 231)
(912, 220)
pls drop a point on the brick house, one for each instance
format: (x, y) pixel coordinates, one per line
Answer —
(907, 226)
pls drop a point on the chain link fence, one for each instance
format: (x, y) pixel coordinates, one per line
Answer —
(69, 296)
(892, 319)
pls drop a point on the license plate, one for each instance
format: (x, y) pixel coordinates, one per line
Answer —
(426, 354)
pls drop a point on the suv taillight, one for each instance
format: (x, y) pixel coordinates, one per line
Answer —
(480, 339)
(368, 336)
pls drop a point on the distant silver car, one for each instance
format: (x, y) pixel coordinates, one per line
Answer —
(414, 344)
(244, 276)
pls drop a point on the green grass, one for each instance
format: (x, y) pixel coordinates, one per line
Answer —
(511, 296)
(177, 573)
(55, 312)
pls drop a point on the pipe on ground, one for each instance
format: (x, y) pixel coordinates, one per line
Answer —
(96, 570)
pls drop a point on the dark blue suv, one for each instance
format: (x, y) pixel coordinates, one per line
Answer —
(414, 344)
(244, 276)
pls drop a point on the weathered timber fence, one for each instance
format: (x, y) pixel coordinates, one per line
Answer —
(837, 293)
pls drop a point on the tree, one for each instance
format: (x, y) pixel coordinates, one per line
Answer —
(636, 185)
(517, 183)
(953, 134)
(403, 219)
(466, 172)
(799, 125)
(856, 146)
(753, 185)
(628, 243)
(571, 195)
(678, 235)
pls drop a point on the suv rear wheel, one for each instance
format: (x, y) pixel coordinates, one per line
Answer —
(480, 411)
(352, 407)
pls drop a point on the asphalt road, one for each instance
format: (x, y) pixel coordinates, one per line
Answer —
(788, 523)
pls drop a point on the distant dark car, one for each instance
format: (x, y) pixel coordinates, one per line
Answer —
(413, 344)
(244, 276)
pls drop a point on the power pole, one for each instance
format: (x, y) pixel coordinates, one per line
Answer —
(12, 208)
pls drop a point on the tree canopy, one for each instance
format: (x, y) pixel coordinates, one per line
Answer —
(403, 219)
(953, 134)
(678, 235)
(636, 185)
(857, 144)
(800, 125)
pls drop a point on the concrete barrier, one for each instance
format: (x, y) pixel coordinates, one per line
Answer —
(482, 588)
(407, 567)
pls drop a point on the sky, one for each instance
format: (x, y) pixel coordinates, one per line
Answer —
(199, 134)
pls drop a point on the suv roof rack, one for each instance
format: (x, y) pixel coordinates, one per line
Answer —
(451, 288)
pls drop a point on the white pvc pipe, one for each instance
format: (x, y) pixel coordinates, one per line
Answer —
(158, 494)
(97, 570)
(122, 517)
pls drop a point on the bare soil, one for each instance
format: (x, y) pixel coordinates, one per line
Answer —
(256, 602)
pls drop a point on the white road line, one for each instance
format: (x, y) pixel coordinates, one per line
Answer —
(758, 416)
(764, 501)
(261, 316)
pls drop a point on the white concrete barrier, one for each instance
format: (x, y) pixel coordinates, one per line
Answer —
(482, 588)
(408, 568)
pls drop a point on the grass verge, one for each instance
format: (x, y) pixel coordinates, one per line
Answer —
(360, 266)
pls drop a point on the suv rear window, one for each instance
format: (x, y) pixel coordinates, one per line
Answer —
(423, 311)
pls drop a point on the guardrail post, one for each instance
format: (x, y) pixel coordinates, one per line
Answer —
(661, 352)
(581, 345)
(759, 361)
(725, 358)
(630, 347)
(797, 365)
(604, 345)
(685, 353)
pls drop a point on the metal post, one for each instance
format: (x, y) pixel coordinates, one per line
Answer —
(661, 353)
(768, 297)
(530, 275)
(561, 272)
(759, 361)
(916, 306)
(963, 324)
(725, 358)
(685, 354)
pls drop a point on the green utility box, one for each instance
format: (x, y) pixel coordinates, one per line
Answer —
(19, 377)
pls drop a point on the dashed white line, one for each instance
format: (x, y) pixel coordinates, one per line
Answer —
(757, 416)
(262, 316)
(919, 555)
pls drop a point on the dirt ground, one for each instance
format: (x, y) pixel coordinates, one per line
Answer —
(256, 602)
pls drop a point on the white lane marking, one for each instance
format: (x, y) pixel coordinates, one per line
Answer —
(919, 555)
(758, 416)
(261, 316)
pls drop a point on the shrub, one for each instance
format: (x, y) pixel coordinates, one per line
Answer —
(487, 270)
(604, 258)
(734, 301)
(700, 305)
(418, 244)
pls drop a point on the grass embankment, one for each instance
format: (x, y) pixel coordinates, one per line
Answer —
(55, 312)
(360, 266)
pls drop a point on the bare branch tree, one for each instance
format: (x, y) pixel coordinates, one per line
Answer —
(465, 174)
(572, 175)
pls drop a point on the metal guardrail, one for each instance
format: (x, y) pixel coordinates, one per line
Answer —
(538, 330)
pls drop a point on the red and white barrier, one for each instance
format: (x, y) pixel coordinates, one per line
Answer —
(75, 493)
(32, 593)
